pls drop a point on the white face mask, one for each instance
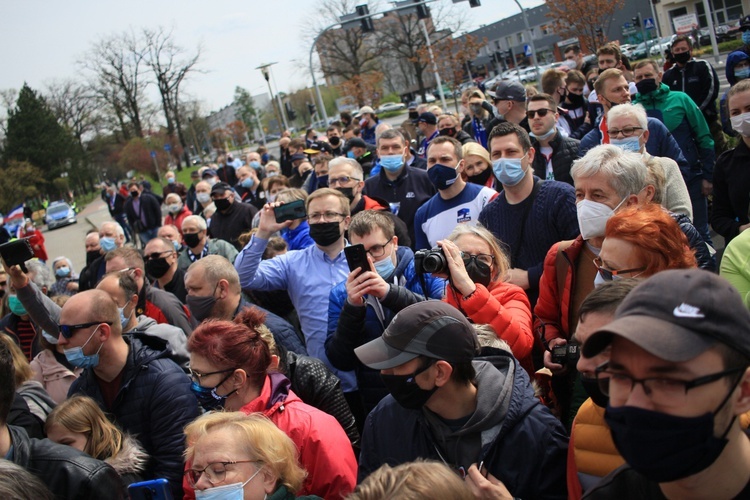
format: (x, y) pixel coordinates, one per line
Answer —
(234, 491)
(741, 123)
(593, 217)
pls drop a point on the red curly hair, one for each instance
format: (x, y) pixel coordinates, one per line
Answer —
(659, 241)
(234, 344)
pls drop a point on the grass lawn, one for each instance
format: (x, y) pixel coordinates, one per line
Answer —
(182, 176)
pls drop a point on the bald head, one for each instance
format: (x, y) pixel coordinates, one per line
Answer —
(92, 242)
(89, 306)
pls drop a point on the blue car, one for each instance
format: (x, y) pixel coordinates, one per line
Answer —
(59, 214)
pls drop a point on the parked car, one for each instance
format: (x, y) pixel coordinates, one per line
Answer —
(391, 106)
(626, 49)
(59, 214)
(639, 52)
(428, 98)
(527, 75)
(721, 31)
(658, 49)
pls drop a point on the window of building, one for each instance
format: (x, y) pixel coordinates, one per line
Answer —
(546, 29)
(519, 36)
(509, 41)
(724, 11)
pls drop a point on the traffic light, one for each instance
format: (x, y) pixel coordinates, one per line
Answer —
(636, 22)
(311, 109)
(290, 113)
(423, 12)
(365, 23)
(475, 3)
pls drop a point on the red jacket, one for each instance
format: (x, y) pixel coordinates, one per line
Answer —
(324, 450)
(177, 221)
(552, 310)
(36, 240)
(505, 307)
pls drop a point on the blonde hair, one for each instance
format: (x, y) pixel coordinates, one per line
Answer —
(82, 415)
(259, 438)
(500, 260)
(23, 371)
(476, 149)
(412, 481)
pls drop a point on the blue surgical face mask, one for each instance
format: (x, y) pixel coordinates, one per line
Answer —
(177, 246)
(124, 319)
(741, 74)
(350, 154)
(385, 267)
(247, 183)
(746, 37)
(509, 171)
(62, 272)
(392, 163)
(543, 137)
(170, 180)
(442, 176)
(107, 243)
(255, 164)
(627, 143)
(76, 357)
(234, 491)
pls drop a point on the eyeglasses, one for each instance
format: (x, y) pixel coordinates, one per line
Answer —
(198, 376)
(156, 255)
(325, 217)
(667, 392)
(541, 112)
(378, 250)
(215, 472)
(484, 258)
(609, 274)
(67, 331)
(625, 131)
(345, 179)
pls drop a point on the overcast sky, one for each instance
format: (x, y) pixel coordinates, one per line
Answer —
(42, 40)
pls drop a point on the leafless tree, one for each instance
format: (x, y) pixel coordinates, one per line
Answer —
(74, 104)
(118, 64)
(170, 65)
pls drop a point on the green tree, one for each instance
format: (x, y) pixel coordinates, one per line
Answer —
(19, 180)
(246, 107)
(35, 136)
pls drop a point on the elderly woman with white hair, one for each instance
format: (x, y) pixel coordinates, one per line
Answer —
(66, 281)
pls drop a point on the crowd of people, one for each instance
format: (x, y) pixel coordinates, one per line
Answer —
(537, 311)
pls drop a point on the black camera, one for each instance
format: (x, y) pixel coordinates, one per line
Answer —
(430, 261)
(564, 354)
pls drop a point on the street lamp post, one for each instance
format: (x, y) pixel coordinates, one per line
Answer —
(531, 44)
(321, 104)
(265, 69)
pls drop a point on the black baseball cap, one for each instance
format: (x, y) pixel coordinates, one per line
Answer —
(508, 90)
(677, 315)
(428, 117)
(431, 328)
(220, 188)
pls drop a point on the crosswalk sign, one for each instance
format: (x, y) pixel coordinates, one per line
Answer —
(648, 23)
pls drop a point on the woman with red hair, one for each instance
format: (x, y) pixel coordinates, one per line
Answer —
(229, 364)
(641, 241)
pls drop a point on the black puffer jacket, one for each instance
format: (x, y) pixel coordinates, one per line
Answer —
(317, 386)
(697, 243)
(66, 471)
(154, 404)
(564, 151)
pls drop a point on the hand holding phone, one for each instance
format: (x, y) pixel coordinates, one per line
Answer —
(356, 257)
(156, 489)
(290, 211)
(17, 252)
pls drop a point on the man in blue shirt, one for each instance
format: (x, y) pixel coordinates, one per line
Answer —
(308, 275)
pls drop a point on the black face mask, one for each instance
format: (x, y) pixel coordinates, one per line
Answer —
(450, 132)
(348, 192)
(335, 141)
(91, 256)
(590, 83)
(222, 204)
(157, 268)
(682, 57)
(646, 86)
(413, 115)
(479, 272)
(576, 100)
(591, 386)
(325, 233)
(481, 178)
(192, 240)
(405, 390)
(134, 194)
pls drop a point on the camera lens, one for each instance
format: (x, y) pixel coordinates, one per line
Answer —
(435, 263)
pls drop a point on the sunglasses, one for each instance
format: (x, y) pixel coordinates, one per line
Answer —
(609, 275)
(156, 255)
(67, 331)
(541, 112)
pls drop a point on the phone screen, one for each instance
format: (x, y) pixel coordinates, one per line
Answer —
(290, 211)
(356, 257)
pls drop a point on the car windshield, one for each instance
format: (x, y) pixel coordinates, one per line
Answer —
(57, 209)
